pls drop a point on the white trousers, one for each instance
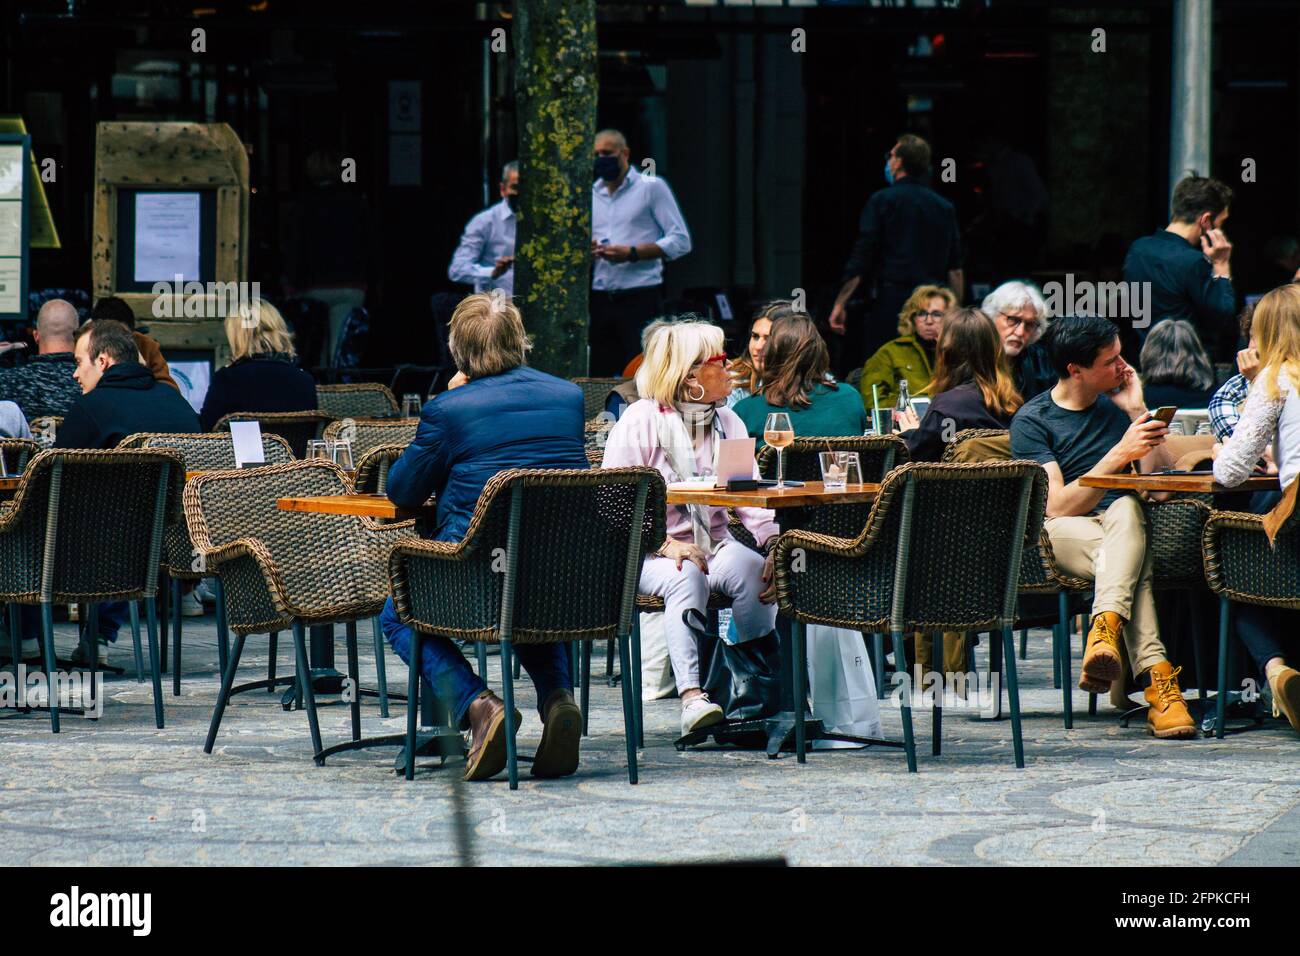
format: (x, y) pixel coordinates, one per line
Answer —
(735, 571)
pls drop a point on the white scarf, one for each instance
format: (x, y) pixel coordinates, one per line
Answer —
(677, 433)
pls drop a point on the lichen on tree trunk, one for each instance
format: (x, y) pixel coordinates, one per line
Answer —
(555, 100)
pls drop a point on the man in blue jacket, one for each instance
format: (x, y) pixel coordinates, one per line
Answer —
(497, 414)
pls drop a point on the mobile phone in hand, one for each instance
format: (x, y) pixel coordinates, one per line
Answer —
(1165, 413)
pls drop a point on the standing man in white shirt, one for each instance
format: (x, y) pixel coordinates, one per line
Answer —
(485, 257)
(635, 225)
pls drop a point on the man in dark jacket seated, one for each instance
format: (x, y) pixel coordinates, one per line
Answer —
(497, 414)
(120, 397)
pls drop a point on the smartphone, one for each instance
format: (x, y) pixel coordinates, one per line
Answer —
(1165, 413)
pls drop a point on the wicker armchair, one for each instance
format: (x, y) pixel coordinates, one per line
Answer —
(372, 469)
(368, 435)
(203, 451)
(16, 452)
(941, 550)
(1038, 573)
(64, 540)
(361, 400)
(1241, 565)
(297, 428)
(282, 570)
(570, 573)
(595, 434)
(594, 393)
(46, 427)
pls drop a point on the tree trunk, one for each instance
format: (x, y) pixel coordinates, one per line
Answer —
(555, 100)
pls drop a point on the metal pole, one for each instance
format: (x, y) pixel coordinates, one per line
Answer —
(1189, 114)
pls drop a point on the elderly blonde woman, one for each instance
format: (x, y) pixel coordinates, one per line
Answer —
(676, 427)
(1021, 316)
(263, 374)
(497, 414)
(909, 357)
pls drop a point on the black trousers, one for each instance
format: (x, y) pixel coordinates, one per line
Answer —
(1268, 632)
(617, 318)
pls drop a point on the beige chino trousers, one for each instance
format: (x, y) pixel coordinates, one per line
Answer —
(1110, 549)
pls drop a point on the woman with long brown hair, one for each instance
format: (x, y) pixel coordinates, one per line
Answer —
(747, 368)
(972, 385)
(796, 381)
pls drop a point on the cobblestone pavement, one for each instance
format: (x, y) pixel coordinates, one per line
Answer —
(118, 791)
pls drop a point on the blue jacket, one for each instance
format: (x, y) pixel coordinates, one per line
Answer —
(522, 418)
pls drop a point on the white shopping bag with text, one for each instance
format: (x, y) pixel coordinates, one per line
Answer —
(841, 685)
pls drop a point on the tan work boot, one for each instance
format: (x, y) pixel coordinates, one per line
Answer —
(487, 736)
(1285, 684)
(1102, 664)
(1168, 715)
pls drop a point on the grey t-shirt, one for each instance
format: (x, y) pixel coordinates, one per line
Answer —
(1043, 431)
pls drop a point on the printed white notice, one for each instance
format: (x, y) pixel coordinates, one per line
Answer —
(247, 437)
(166, 236)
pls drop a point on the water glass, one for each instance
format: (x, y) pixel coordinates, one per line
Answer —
(1176, 428)
(411, 405)
(318, 448)
(341, 453)
(1203, 428)
(839, 469)
(882, 421)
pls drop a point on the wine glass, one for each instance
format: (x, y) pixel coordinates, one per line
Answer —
(779, 433)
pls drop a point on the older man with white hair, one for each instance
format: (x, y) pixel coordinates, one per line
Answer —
(1021, 315)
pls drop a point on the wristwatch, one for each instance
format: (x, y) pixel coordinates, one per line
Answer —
(632, 255)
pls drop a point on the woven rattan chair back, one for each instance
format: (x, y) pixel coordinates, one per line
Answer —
(594, 393)
(293, 565)
(878, 454)
(87, 525)
(16, 453)
(366, 435)
(360, 400)
(45, 427)
(570, 558)
(372, 469)
(203, 451)
(296, 428)
(1243, 565)
(933, 555)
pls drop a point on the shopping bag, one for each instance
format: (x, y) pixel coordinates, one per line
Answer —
(656, 669)
(841, 685)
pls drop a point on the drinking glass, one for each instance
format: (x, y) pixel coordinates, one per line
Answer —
(411, 405)
(832, 470)
(1203, 428)
(852, 466)
(318, 448)
(779, 433)
(341, 453)
(1176, 428)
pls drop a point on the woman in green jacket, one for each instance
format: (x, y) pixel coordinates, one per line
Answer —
(911, 355)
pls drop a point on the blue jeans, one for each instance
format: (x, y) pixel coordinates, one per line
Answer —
(112, 616)
(454, 681)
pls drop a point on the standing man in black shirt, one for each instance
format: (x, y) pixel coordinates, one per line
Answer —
(1187, 264)
(907, 236)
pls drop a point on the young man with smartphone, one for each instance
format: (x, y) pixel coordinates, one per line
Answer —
(1094, 422)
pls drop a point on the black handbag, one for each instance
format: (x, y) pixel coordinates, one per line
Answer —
(743, 679)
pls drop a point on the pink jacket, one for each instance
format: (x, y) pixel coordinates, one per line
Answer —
(634, 440)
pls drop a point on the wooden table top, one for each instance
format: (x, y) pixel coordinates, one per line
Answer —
(195, 474)
(1197, 483)
(811, 494)
(10, 484)
(368, 506)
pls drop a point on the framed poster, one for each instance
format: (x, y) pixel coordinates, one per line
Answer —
(15, 156)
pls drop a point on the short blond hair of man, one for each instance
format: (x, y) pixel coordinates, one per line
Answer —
(670, 355)
(486, 335)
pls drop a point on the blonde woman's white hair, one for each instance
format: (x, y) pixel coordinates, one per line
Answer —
(671, 353)
(256, 327)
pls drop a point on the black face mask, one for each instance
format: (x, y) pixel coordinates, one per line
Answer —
(512, 200)
(606, 168)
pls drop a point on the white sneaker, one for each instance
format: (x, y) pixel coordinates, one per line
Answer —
(204, 593)
(698, 713)
(191, 606)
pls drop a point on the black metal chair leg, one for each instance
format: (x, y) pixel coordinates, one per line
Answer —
(413, 702)
(381, 669)
(164, 619)
(634, 675)
(223, 635)
(1013, 693)
(134, 609)
(508, 688)
(936, 707)
(350, 635)
(878, 644)
(480, 656)
(304, 685)
(1061, 639)
(92, 644)
(155, 665)
(176, 637)
(15, 637)
(629, 709)
(223, 698)
(609, 659)
(586, 683)
(799, 679)
(51, 681)
(900, 663)
(1221, 701)
(272, 642)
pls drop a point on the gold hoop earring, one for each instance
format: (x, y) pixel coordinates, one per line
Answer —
(695, 398)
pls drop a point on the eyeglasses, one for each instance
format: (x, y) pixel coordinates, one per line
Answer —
(714, 359)
(1030, 325)
(930, 315)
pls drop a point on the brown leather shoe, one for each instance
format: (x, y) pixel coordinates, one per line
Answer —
(1167, 715)
(557, 754)
(1285, 685)
(487, 734)
(1101, 661)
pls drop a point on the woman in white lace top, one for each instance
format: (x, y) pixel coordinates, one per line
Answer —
(1271, 415)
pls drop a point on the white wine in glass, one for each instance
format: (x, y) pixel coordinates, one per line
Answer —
(779, 433)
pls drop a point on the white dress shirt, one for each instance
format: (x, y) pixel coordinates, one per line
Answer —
(489, 236)
(641, 210)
